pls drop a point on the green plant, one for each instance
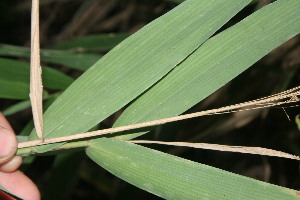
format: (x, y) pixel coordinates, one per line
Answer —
(161, 71)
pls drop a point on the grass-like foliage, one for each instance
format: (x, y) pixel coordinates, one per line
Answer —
(160, 71)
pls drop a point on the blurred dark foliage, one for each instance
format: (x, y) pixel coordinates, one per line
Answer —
(270, 128)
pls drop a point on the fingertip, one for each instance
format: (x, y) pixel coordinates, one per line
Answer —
(8, 144)
(20, 185)
(11, 165)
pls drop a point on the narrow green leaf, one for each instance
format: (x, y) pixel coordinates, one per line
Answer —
(13, 90)
(80, 61)
(297, 120)
(102, 42)
(14, 79)
(134, 65)
(26, 104)
(216, 62)
(171, 177)
(16, 108)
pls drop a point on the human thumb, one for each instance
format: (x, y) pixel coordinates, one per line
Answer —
(8, 144)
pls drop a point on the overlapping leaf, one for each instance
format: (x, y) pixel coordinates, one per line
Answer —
(146, 58)
(211, 66)
(216, 62)
(135, 65)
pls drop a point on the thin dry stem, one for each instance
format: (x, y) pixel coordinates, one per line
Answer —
(218, 147)
(36, 87)
(286, 97)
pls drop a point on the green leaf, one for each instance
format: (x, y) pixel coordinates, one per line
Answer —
(216, 62)
(297, 120)
(135, 65)
(26, 104)
(80, 61)
(22, 138)
(102, 42)
(14, 79)
(27, 129)
(171, 177)
(16, 108)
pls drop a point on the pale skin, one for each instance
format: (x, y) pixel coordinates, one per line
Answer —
(11, 178)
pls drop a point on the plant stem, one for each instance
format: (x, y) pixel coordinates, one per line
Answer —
(30, 150)
(282, 98)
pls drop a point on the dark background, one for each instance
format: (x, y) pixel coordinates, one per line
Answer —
(61, 20)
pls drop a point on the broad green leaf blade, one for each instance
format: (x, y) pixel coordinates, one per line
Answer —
(14, 79)
(135, 65)
(80, 61)
(4, 193)
(102, 42)
(216, 62)
(171, 177)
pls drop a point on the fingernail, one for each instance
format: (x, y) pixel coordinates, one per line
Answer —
(7, 143)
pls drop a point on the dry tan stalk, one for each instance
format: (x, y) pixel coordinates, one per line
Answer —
(218, 147)
(36, 87)
(286, 97)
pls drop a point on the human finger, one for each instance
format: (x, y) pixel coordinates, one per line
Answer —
(8, 143)
(20, 185)
(11, 165)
